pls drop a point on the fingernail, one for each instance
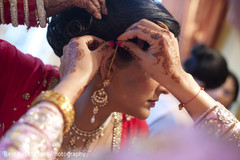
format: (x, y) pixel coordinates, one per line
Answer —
(98, 16)
(119, 44)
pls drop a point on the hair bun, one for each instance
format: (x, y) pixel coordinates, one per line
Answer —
(64, 27)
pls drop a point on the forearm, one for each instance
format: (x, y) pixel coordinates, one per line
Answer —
(72, 87)
(23, 12)
(47, 120)
(53, 7)
(30, 12)
(37, 135)
(185, 89)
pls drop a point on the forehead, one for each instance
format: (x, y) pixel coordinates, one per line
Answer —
(133, 72)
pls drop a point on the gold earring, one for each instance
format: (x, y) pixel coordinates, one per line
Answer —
(99, 99)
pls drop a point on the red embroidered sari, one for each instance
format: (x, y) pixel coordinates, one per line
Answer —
(23, 77)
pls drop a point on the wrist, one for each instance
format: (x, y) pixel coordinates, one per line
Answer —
(188, 88)
(72, 86)
(184, 88)
(54, 7)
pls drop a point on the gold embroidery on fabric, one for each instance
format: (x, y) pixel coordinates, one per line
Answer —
(225, 116)
(3, 126)
(213, 127)
(14, 109)
(128, 117)
(117, 132)
(26, 96)
(224, 123)
(53, 82)
(45, 83)
(235, 137)
(210, 111)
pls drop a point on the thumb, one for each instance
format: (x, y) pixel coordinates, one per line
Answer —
(103, 50)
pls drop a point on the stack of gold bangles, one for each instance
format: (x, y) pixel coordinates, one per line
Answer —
(61, 102)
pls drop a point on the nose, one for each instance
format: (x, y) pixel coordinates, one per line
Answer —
(161, 90)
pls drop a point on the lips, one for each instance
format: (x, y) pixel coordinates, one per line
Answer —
(152, 102)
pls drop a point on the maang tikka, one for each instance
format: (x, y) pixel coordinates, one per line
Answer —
(100, 97)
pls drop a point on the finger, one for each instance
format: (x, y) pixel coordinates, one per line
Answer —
(92, 9)
(138, 54)
(148, 24)
(96, 4)
(102, 50)
(87, 43)
(142, 33)
(64, 49)
(103, 6)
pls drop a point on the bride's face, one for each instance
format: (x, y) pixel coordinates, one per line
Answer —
(133, 91)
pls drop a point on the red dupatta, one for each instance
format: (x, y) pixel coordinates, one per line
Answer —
(22, 78)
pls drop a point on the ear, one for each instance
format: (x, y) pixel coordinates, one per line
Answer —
(104, 67)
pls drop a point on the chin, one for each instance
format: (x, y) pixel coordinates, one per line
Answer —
(142, 115)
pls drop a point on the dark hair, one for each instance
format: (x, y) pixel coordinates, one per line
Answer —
(77, 22)
(207, 65)
(236, 85)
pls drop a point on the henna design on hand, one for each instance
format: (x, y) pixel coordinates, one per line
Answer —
(133, 54)
(176, 78)
(165, 50)
(90, 8)
(100, 2)
(153, 34)
(103, 48)
(80, 54)
(75, 53)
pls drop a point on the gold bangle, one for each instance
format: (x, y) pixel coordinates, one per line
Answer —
(41, 13)
(26, 12)
(61, 102)
(14, 12)
(2, 12)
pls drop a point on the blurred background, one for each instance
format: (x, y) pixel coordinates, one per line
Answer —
(213, 23)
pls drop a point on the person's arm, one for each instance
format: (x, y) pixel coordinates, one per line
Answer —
(94, 7)
(161, 60)
(39, 132)
(35, 12)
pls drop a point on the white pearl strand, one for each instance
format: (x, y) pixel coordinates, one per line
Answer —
(96, 134)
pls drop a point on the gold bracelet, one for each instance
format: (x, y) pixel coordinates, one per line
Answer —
(26, 12)
(14, 12)
(2, 12)
(41, 13)
(61, 102)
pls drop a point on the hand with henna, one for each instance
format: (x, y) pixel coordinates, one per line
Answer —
(94, 7)
(161, 60)
(80, 62)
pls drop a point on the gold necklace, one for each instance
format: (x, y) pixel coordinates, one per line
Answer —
(117, 132)
(88, 137)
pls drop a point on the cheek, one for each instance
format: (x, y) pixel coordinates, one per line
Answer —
(141, 83)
